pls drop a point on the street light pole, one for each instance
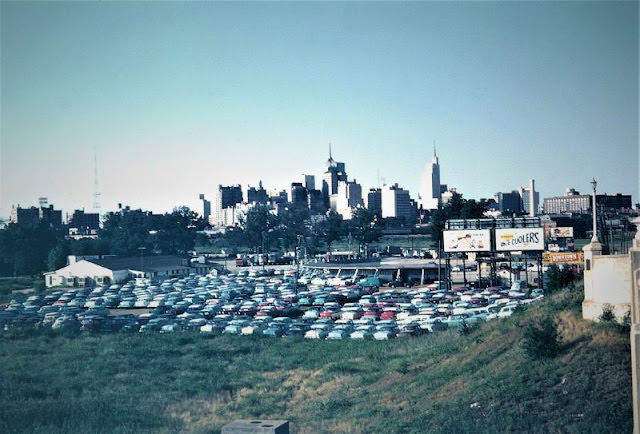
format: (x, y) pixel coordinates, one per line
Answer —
(264, 235)
(142, 249)
(594, 238)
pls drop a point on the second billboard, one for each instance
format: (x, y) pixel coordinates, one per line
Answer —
(520, 239)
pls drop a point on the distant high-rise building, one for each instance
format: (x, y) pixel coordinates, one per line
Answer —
(84, 221)
(50, 216)
(258, 195)
(335, 173)
(348, 198)
(25, 216)
(530, 201)
(298, 195)
(206, 208)
(430, 192)
(574, 202)
(374, 201)
(316, 202)
(509, 203)
(33, 216)
(395, 202)
(225, 197)
(309, 182)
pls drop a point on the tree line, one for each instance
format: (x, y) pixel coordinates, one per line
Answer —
(33, 249)
(260, 230)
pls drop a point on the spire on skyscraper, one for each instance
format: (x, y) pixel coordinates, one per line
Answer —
(330, 161)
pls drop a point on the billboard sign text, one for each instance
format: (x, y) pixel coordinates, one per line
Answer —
(520, 239)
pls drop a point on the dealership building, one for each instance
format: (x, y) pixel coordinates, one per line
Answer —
(105, 270)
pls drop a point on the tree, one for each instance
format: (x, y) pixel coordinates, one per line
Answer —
(364, 227)
(126, 233)
(293, 223)
(557, 278)
(57, 257)
(24, 249)
(456, 208)
(177, 232)
(329, 229)
(259, 227)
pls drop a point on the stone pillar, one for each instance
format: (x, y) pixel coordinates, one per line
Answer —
(634, 256)
(591, 251)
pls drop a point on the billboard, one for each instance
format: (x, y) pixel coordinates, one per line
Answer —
(562, 258)
(520, 239)
(471, 240)
(561, 232)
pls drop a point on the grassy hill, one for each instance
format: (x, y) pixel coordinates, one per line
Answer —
(443, 383)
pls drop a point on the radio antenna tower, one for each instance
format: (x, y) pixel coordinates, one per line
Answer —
(96, 191)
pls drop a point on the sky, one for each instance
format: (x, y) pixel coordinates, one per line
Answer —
(174, 98)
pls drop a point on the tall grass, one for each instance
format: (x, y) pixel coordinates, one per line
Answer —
(446, 382)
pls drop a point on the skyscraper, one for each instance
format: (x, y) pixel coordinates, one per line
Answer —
(430, 184)
(395, 201)
(335, 173)
(530, 198)
(225, 197)
(348, 198)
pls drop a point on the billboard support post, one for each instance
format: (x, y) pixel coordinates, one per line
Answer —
(439, 262)
(540, 283)
(464, 268)
(526, 268)
(510, 271)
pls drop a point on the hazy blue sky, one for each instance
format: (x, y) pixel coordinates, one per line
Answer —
(177, 98)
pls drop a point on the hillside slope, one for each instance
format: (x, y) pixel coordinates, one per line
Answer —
(441, 383)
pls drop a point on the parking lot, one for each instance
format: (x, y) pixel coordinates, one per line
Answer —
(265, 302)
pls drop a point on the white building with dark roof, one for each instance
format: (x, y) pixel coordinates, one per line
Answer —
(95, 270)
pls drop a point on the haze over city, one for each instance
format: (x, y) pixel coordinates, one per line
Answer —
(176, 98)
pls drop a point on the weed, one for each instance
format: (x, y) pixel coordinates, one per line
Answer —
(607, 314)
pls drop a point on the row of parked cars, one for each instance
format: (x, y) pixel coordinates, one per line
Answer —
(263, 302)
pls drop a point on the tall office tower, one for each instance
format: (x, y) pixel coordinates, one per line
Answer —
(308, 181)
(374, 201)
(348, 198)
(509, 203)
(316, 202)
(206, 207)
(225, 197)
(430, 184)
(530, 198)
(335, 173)
(395, 201)
(258, 195)
(298, 195)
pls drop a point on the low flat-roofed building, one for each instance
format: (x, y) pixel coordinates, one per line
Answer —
(106, 270)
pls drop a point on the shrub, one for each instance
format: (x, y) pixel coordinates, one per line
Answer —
(541, 338)
(557, 278)
(607, 313)
(466, 328)
(625, 325)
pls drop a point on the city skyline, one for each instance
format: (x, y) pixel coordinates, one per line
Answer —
(178, 98)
